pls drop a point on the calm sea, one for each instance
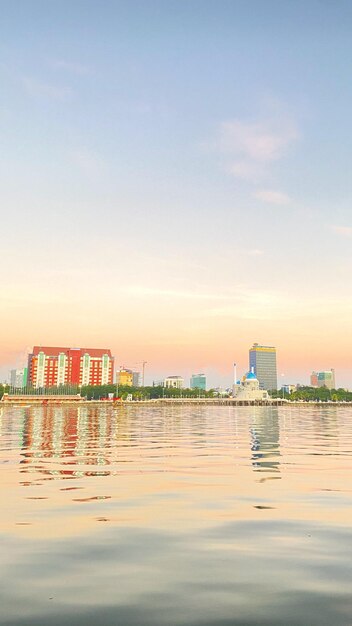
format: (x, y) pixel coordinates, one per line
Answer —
(185, 516)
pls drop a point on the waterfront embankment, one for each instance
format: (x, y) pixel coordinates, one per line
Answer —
(26, 400)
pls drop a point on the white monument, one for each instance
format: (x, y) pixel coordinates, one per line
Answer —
(248, 389)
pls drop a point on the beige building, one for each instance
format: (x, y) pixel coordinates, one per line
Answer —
(175, 382)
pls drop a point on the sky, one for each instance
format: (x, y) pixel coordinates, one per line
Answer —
(175, 183)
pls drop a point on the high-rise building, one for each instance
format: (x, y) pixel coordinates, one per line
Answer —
(323, 379)
(263, 361)
(198, 381)
(18, 378)
(175, 382)
(52, 366)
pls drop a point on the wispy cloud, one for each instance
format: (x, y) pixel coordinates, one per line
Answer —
(240, 303)
(246, 169)
(43, 90)
(251, 147)
(275, 305)
(270, 196)
(141, 291)
(257, 141)
(344, 231)
(254, 304)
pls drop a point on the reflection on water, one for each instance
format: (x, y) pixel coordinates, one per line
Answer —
(265, 442)
(76, 437)
(176, 516)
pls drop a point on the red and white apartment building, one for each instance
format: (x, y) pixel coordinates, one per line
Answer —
(51, 367)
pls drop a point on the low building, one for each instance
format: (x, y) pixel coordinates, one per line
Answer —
(248, 389)
(127, 378)
(174, 382)
(289, 388)
(220, 392)
(198, 381)
(124, 377)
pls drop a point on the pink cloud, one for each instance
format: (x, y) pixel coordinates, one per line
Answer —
(345, 231)
(253, 146)
(271, 196)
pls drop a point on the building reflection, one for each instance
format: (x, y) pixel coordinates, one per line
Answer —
(265, 441)
(326, 427)
(66, 441)
(72, 442)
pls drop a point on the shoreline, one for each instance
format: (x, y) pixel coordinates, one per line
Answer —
(42, 401)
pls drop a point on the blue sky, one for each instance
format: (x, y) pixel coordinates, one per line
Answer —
(188, 163)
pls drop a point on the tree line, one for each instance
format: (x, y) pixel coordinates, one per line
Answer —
(142, 393)
(315, 394)
(96, 392)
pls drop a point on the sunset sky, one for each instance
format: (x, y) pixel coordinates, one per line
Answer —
(176, 182)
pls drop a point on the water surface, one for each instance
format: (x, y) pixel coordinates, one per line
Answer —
(196, 516)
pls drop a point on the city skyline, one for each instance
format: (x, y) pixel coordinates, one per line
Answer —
(131, 376)
(175, 183)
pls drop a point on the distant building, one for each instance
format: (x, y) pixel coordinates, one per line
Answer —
(136, 379)
(53, 366)
(128, 378)
(175, 382)
(314, 379)
(289, 388)
(263, 361)
(249, 389)
(18, 378)
(220, 392)
(323, 379)
(124, 377)
(198, 381)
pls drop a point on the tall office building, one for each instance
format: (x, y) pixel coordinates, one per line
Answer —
(51, 367)
(323, 379)
(263, 361)
(198, 381)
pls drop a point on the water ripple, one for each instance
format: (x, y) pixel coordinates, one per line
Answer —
(196, 516)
